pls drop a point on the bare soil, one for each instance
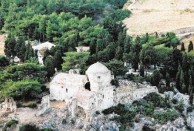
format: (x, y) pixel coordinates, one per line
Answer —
(149, 16)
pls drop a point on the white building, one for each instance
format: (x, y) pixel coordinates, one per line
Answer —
(41, 48)
(82, 48)
(93, 91)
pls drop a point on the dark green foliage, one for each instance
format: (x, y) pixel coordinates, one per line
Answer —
(126, 116)
(141, 70)
(190, 90)
(24, 71)
(9, 124)
(182, 46)
(58, 59)
(50, 66)
(157, 100)
(117, 67)
(115, 82)
(168, 115)
(21, 89)
(190, 47)
(156, 77)
(168, 81)
(74, 60)
(3, 61)
(9, 47)
(29, 127)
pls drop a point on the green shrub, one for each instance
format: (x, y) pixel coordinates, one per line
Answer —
(156, 99)
(29, 127)
(180, 107)
(115, 82)
(9, 124)
(168, 115)
(24, 89)
(31, 104)
(125, 116)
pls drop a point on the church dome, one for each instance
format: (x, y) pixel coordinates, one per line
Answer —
(97, 68)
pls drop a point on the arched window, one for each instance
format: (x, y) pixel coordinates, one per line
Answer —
(87, 86)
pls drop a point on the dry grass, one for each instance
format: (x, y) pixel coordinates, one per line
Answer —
(159, 15)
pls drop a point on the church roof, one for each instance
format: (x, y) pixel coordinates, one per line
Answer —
(97, 68)
(64, 78)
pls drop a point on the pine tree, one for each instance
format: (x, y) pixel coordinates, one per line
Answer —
(182, 46)
(190, 47)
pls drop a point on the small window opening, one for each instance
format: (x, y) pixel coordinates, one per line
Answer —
(87, 86)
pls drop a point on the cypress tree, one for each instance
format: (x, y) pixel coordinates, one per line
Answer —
(50, 66)
(178, 78)
(190, 47)
(182, 46)
(127, 45)
(9, 47)
(119, 53)
(58, 59)
(167, 80)
(92, 47)
(182, 82)
(190, 90)
(141, 70)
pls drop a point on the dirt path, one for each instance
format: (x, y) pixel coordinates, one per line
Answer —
(159, 16)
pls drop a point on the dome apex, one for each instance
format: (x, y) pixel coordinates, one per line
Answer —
(97, 68)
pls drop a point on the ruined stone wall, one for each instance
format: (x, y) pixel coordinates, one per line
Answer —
(64, 86)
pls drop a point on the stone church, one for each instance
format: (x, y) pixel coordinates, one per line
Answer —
(92, 92)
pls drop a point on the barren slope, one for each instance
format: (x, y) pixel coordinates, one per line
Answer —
(159, 15)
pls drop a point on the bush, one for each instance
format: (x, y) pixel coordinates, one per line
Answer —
(24, 89)
(9, 124)
(31, 104)
(126, 116)
(180, 107)
(168, 115)
(156, 99)
(29, 127)
(115, 82)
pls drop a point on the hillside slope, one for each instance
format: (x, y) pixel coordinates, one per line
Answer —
(161, 16)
